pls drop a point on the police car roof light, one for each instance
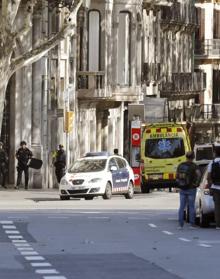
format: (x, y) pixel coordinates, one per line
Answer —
(94, 154)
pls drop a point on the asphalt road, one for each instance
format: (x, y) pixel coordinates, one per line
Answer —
(97, 239)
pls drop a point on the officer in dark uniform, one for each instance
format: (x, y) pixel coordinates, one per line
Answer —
(60, 162)
(23, 156)
(3, 164)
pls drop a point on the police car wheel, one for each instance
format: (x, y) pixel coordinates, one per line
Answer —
(130, 193)
(108, 192)
(89, 198)
(63, 198)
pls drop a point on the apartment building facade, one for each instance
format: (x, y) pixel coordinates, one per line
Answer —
(207, 58)
(122, 50)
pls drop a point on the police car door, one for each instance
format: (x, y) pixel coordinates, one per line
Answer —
(115, 172)
(123, 173)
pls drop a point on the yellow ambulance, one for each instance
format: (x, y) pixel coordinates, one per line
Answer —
(163, 148)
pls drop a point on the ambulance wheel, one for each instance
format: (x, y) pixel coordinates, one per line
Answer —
(108, 192)
(64, 198)
(130, 193)
(144, 188)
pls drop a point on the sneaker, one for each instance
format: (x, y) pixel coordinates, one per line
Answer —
(179, 227)
(192, 227)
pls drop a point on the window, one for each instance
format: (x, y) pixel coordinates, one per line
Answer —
(94, 41)
(123, 74)
(121, 163)
(88, 166)
(112, 162)
(164, 148)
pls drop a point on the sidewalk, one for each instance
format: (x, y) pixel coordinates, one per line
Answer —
(14, 199)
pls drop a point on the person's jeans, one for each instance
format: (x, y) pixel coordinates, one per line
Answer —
(187, 197)
(216, 198)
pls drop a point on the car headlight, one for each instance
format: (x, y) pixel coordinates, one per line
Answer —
(63, 182)
(95, 180)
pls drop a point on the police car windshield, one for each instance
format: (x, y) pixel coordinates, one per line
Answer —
(204, 153)
(87, 165)
(164, 148)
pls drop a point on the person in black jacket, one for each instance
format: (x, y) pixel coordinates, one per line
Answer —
(23, 155)
(3, 164)
(60, 162)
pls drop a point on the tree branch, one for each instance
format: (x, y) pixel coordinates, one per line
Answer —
(36, 53)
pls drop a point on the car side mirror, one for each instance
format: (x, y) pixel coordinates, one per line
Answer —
(113, 168)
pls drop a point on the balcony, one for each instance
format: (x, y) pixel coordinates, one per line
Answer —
(209, 48)
(91, 85)
(183, 86)
(206, 113)
(151, 72)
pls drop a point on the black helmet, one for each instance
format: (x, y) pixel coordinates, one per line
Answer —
(23, 143)
(60, 146)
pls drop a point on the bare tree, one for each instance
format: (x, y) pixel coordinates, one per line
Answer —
(12, 35)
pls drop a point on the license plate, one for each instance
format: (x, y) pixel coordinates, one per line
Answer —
(77, 188)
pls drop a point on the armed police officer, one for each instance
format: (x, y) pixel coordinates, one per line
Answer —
(60, 162)
(3, 164)
(23, 155)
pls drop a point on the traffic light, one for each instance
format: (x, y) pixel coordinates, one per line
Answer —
(68, 121)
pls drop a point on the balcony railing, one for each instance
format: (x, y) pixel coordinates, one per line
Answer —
(184, 85)
(206, 112)
(91, 84)
(174, 14)
(209, 47)
(151, 72)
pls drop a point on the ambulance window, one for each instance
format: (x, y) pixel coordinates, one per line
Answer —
(164, 148)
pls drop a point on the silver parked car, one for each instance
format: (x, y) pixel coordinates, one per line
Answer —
(204, 204)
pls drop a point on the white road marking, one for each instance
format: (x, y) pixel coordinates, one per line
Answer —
(91, 212)
(19, 241)
(152, 225)
(15, 236)
(8, 227)
(40, 264)
(210, 241)
(6, 222)
(34, 258)
(46, 271)
(12, 232)
(58, 217)
(167, 232)
(29, 253)
(21, 244)
(184, 239)
(25, 248)
(205, 245)
(54, 277)
(138, 218)
(99, 217)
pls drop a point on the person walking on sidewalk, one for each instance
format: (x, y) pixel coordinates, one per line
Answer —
(60, 162)
(214, 183)
(188, 178)
(3, 164)
(23, 155)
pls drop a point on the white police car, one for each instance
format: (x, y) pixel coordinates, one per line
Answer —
(98, 174)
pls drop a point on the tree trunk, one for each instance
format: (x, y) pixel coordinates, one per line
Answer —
(3, 86)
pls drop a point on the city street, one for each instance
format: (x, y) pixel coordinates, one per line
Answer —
(43, 237)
